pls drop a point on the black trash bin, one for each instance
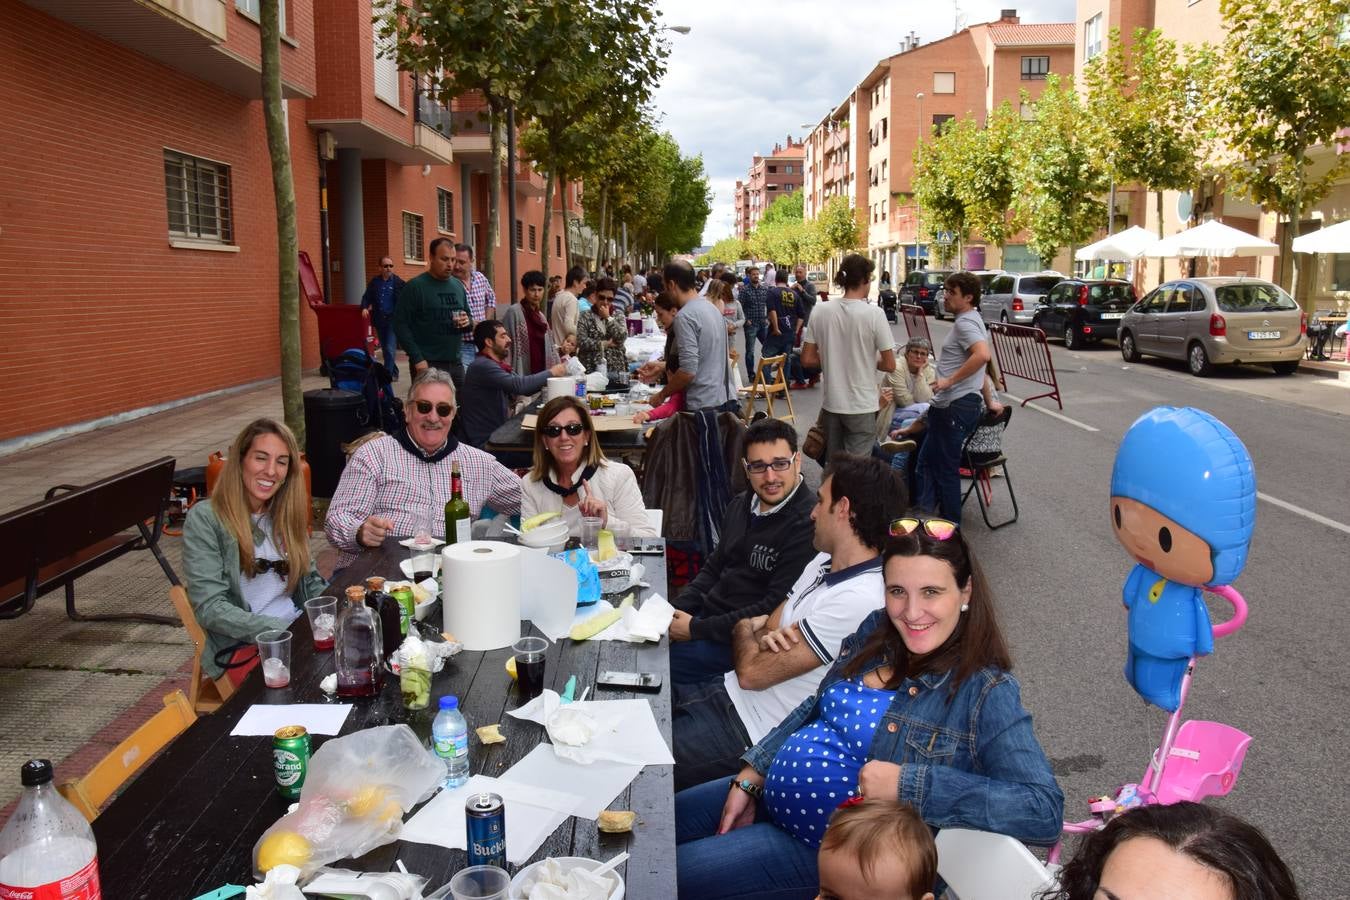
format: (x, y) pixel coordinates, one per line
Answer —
(332, 418)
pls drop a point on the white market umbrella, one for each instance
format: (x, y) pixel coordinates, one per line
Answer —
(1128, 244)
(1212, 239)
(1332, 239)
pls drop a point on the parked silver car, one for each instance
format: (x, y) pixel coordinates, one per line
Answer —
(1013, 297)
(1216, 321)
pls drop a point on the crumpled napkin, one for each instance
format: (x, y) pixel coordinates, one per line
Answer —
(279, 884)
(636, 625)
(576, 724)
(549, 881)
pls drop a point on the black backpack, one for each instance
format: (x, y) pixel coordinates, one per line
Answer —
(356, 371)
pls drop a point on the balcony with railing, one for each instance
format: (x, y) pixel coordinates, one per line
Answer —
(431, 124)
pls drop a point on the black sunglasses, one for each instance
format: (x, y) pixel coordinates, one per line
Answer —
(574, 429)
(263, 566)
(442, 409)
(387, 265)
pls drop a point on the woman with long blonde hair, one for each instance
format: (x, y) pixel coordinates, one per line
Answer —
(246, 549)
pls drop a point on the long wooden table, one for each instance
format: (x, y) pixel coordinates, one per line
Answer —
(188, 823)
(513, 437)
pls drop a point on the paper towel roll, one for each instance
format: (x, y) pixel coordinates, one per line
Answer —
(560, 387)
(480, 593)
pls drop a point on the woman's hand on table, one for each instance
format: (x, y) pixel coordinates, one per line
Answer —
(373, 530)
(879, 779)
(739, 810)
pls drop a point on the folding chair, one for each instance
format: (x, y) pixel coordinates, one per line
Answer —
(206, 693)
(979, 865)
(93, 790)
(768, 388)
(983, 455)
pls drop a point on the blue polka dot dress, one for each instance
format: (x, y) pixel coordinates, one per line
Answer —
(817, 767)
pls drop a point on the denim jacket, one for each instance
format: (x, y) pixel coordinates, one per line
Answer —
(970, 760)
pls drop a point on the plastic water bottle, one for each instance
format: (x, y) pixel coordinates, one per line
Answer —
(450, 737)
(47, 848)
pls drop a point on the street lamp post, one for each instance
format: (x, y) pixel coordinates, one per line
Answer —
(918, 214)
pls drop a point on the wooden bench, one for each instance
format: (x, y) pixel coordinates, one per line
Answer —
(77, 529)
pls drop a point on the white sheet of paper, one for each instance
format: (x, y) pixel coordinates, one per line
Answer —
(532, 814)
(548, 592)
(595, 785)
(318, 718)
(632, 736)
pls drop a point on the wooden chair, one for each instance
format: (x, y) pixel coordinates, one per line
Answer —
(206, 693)
(768, 387)
(93, 790)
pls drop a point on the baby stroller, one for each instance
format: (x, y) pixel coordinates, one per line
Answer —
(888, 302)
(354, 370)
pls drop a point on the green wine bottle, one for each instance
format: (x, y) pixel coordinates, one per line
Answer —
(457, 522)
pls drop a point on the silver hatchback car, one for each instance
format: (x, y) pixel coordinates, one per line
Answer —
(1014, 297)
(1216, 321)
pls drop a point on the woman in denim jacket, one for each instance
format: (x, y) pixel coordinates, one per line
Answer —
(918, 705)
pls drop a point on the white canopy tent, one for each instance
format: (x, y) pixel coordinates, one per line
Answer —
(1128, 244)
(1332, 239)
(1213, 238)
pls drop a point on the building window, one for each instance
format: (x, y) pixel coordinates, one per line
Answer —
(787, 170)
(941, 119)
(883, 170)
(412, 237)
(1092, 37)
(1035, 68)
(788, 188)
(1027, 110)
(534, 243)
(773, 170)
(944, 82)
(386, 70)
(445, 210)
(520, 235)
(197, 192)
(883, 129)
(253, 9)
(557, 242)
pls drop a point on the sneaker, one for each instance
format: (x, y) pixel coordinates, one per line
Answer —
(798, 385)
(893, 447)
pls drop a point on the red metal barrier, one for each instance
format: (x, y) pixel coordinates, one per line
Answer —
(1021, 351)
(916, 322)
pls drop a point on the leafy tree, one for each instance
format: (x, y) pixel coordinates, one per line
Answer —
(786, 208)
(1284, 88)
(983, 168)
(728, 250)
(1058, 179)
(283, 189)
(841, 227)
(937, 169)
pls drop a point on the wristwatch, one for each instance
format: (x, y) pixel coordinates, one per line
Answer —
(745, 784)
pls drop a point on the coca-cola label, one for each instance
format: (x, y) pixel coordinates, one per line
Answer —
(83, 885)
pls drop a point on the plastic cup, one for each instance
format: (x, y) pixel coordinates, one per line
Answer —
(530, 655)
(480, 883)
(590, 532)
(422, 559)
(322, 612)
(274, 651)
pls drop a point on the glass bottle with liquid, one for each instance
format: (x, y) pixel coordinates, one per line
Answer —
(390, 613)
(358, 647)
(458, 526)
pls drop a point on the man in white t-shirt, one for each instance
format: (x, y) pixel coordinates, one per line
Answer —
(849, 341)
(781, 658)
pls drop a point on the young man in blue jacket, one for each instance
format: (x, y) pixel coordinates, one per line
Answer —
(490, 383)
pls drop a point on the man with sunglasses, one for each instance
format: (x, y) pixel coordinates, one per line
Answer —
(490, 384)
(398, 484)
(380, 300)
(764, 543)
(781, 657)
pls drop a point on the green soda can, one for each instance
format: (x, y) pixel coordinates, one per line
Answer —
(290, 759)
(407, 604)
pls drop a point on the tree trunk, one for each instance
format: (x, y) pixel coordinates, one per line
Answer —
(600, 226)
(546, 251)
(1291, 233)
(1161, 262)
(566, 222)
(488, 263)
(283, 189)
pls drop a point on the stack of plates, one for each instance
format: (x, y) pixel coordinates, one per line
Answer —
(551, 536)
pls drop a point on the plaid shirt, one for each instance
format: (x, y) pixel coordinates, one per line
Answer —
(755, 302)
(482, 300)
(383, 479)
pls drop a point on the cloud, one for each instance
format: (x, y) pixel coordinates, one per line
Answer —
(750, 74)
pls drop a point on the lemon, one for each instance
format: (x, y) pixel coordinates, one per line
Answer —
(511, 667)
(365, 800)
(283, 847)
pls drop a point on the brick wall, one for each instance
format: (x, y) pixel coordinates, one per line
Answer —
(102, 315)
(243, 38)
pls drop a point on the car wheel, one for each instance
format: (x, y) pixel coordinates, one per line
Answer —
(1127, 348)
(1073, 340)
(1198, 360)
(1289, 367)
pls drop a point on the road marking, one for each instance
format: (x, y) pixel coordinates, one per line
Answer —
(1052, 414)
(1306, 513)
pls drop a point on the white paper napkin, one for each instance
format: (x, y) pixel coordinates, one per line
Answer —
(647, 623)
(596, 785)
(532, 813)
(625, 730)
(266, 718)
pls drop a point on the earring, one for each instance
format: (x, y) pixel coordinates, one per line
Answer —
(965, 607)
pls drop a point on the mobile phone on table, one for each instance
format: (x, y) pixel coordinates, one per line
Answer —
(647, 547)
(646, 682)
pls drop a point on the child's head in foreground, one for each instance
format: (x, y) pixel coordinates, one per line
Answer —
(877, 849)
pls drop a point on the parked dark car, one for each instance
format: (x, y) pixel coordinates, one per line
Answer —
(1083, 311)
(923, 288)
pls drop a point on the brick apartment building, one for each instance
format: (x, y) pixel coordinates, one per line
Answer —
(771, 176)
(864, 148)
(137, 218)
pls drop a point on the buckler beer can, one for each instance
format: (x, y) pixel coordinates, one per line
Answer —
(485, 817)
(290, 759)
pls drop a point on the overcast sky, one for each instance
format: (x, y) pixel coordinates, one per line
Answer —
(753, 71)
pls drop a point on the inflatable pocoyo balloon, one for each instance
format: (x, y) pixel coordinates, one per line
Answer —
(1183, 505)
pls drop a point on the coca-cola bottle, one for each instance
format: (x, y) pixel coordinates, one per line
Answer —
(47, 849)
(358, 650)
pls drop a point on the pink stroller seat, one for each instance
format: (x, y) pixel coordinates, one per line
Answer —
(1205, 761)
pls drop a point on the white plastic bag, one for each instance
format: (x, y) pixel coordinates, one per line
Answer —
(574, 367)
(356, 793)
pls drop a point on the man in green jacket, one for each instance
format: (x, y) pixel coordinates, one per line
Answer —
(431, 312)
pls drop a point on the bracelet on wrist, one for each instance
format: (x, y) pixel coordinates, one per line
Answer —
(745, 784)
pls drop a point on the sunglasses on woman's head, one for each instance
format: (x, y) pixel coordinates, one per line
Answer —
(442, 409)
(572, 428)
(263, 566)
(937, 529)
